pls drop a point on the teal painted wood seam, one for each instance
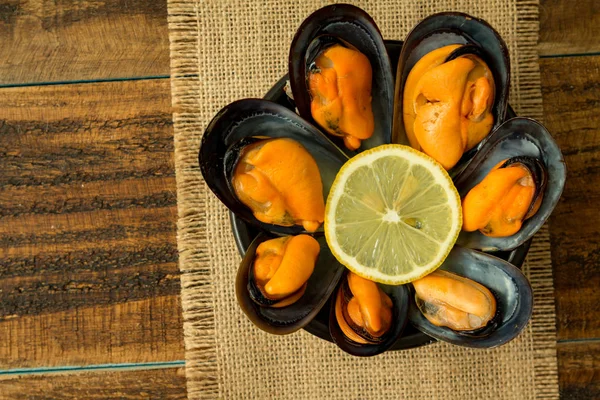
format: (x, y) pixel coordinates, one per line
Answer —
(93, 368)
(582, 340)
(590, 54)
(80, 81)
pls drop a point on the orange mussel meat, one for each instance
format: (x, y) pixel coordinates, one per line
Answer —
(447, 105)
(363, 311)
(499, 204)
(450, 300)
(280, 182)
(340, 87)
(281, 269)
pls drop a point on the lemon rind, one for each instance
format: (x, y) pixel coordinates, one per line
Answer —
(414, 157)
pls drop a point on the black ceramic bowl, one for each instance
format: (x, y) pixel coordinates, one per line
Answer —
(319, 326)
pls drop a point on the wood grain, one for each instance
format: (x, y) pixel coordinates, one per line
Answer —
(566, 28)
(571, 95)
(88, 255)
(68, 40)
(167, 383)
(579, 369)
(146, 330)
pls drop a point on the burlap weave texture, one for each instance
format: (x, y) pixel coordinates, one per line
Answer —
(226, 50)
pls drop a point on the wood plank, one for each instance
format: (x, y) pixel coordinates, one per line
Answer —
(56, 135)
(569, 29)
(167, 383)
(572, 111)
(88, 254)
(57, 41)
(147, 330)
(62, 40)
(579, 369)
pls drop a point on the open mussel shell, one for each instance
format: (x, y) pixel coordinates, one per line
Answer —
(517, 137)
(400, 303)
(351, 27)
(289, 319)
(511, 289)
(246, 121)
(447, 28)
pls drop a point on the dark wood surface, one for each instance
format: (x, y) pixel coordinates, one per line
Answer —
(569, 27)
(164, 383)
(88, 256)
(579, 369)
(65, 40)
(571, 93)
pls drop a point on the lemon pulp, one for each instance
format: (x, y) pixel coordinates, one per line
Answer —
(392, 214)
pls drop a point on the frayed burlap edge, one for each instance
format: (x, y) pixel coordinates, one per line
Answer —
(198, 310)
(196, 297)
(538, 260)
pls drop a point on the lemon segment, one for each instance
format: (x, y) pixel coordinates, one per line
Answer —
(392, 214)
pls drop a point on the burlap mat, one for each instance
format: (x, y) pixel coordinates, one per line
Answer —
(226, 50)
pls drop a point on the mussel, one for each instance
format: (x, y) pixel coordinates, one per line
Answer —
(280, 182)
(509, 194)
(286, 309)
(340, 82)
(510, 187)
(367, 318)
(450, 300)
(341, 78)
(269, 166)
(281, 268)
(473, 300)
(448, 98)
(452, 87)
(363, 311)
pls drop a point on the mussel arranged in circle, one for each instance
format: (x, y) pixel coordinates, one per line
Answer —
(496, 309)
(453, 301)
(367, 318)
(448, 99)
(280, 182)
(272, 163)
(281, 268)
(452, 87)
(269, 166)
(286, 309)
(510, 187)
(509, 194)
(341, 77)
(340, 88)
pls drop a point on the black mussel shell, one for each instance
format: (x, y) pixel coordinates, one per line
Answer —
(479, 38)
(519, 140)
(467, 49)
(511, 289)
(354, 28)
(246, 121)
(281, 321)
(399, 296)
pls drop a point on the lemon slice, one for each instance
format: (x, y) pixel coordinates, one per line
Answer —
(392, 214)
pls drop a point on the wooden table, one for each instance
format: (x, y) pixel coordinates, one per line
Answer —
(89, 285)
